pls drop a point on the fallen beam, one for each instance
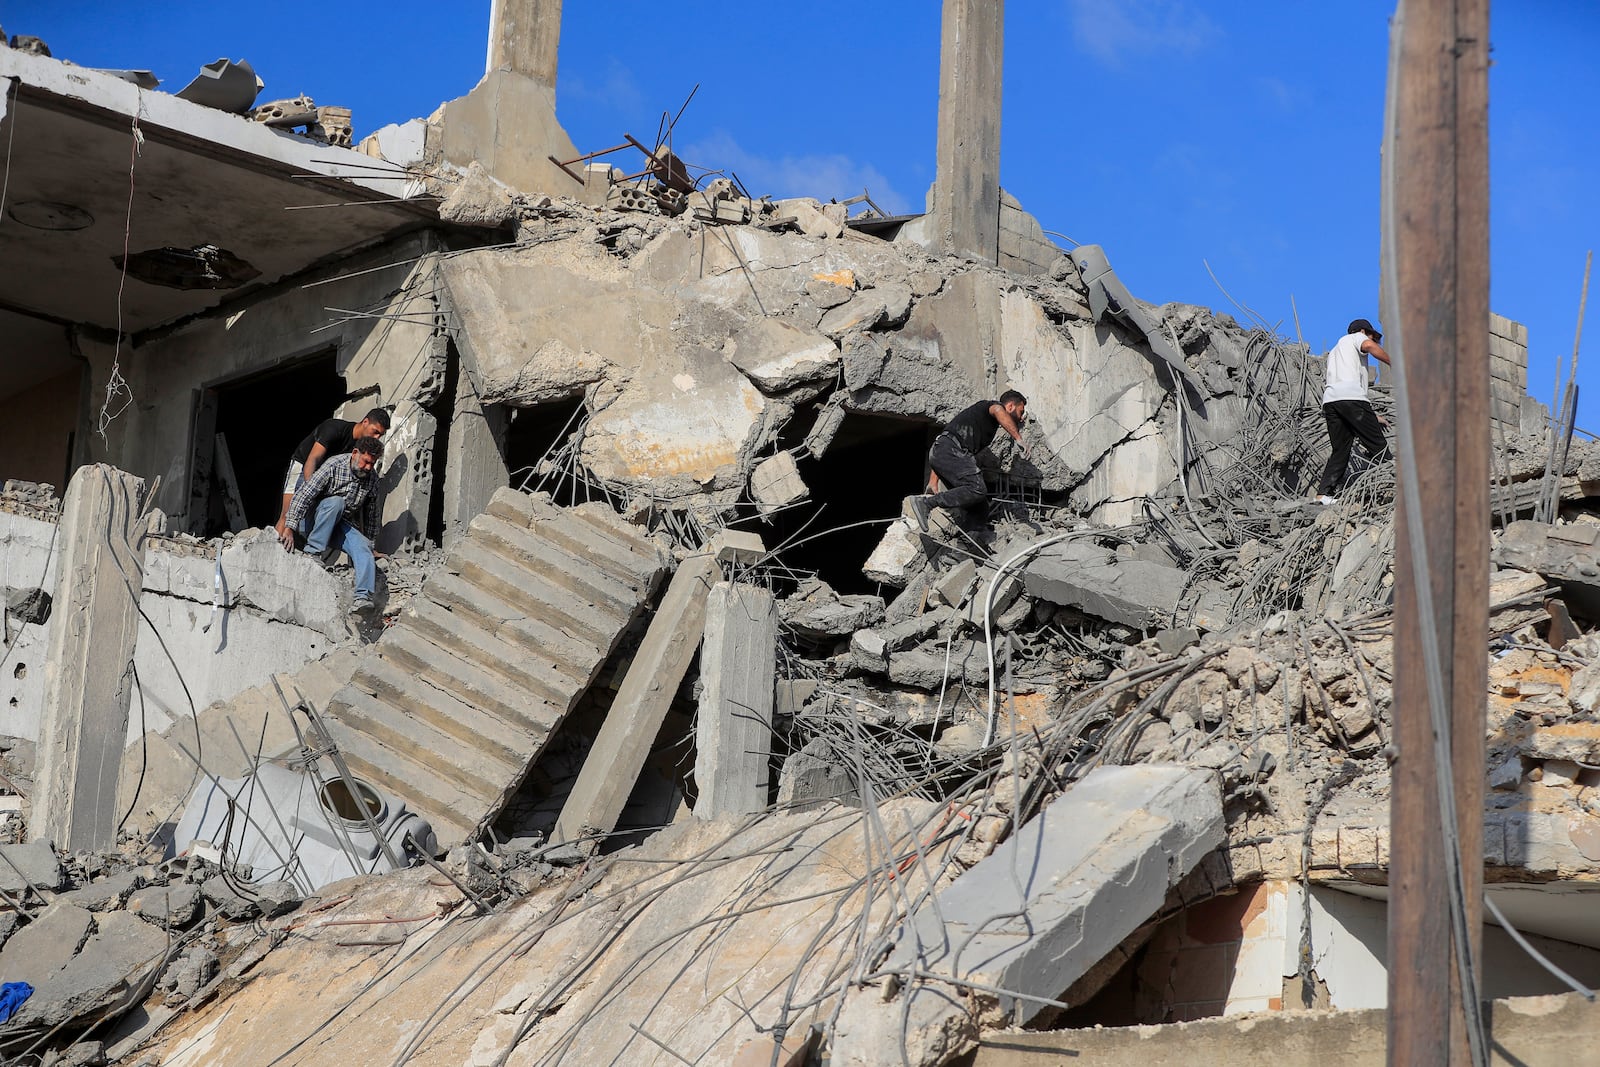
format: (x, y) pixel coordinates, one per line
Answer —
(619, 752)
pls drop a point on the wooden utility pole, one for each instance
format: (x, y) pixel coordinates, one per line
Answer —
(1437, 236)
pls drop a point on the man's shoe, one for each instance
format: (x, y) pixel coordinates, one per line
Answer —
(362, 606)
(1326, 501)
(921, 508)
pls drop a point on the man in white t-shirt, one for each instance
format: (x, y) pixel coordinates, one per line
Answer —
(1345, 405)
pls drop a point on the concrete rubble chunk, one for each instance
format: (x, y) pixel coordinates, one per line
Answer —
(37, 863)
(826, 614)
(29, 605)
(808, 217)
(873, 647)
(778, 355)
(658, 668)
(956, 585)
(733, 730)
(1565, 555)
(174, 905)
(863, 311)
(120, 952)
(1131, 592)
(46, 945)
(1095, 864)
(898, 557)
(478, 200)
(737, 547)
(815, 775)
(775, 483)
(221, 894)
(105, 894)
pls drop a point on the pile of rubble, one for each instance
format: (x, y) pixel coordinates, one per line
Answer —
(1157, 626)
(92, 937)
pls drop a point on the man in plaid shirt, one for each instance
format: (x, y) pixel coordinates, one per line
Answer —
(338, 508)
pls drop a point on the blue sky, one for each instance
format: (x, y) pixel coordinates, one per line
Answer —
(1172, 132)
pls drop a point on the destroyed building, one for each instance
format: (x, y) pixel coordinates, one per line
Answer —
(676, 739)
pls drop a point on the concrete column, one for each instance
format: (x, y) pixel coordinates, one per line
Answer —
(966, 191)
(524, 36)
(89, 676)
(733, 734)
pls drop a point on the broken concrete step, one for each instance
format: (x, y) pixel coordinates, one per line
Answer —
(600, 544)
(536, 598)
(440, 798)
(620, 549)
(604, 519)
(473, 766)
(506, 620)
(470, 683)
(417, 696)
(545, 677)
(553, 563)
(318, 680)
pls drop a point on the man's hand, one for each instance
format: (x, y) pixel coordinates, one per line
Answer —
(286, 538)
(1381, 420)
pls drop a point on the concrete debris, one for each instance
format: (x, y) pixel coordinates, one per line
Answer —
(226, 85)
(1095, 864)
(479, 200)
(1093, 580)
(30, 866)
(816, 613)
(1152, 677)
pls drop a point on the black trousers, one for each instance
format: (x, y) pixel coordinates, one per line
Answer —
(1349, 421)
(958, 473)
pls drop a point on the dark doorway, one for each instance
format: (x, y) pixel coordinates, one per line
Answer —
(873, 463)
(532, 437)
(260, 419)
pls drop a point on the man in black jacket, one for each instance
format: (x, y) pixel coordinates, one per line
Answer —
(954, 455)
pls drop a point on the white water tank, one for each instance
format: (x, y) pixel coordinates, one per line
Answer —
(284, 826)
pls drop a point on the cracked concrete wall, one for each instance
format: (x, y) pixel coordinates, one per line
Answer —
(277, 613)
(27, 561)
(386, 353)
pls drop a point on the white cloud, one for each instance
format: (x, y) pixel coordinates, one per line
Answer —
(614, 89)
(1114, 30)
(822, 175)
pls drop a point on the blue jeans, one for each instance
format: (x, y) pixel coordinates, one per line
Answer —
(328, 528)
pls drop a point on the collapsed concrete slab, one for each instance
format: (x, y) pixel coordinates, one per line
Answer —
(1081, 575)
(1043, 908)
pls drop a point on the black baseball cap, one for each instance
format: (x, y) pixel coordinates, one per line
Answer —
(1363, 326)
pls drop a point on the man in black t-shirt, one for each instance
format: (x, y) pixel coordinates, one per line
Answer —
(332, 437)
(954, 455)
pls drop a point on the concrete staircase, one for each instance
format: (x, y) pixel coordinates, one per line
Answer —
(455, 702)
